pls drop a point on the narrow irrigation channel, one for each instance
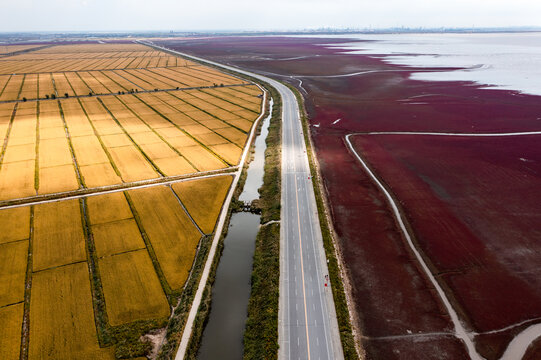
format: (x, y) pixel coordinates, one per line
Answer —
(223, 334)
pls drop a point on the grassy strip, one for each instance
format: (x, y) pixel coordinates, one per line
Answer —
(6, 137)
(340, 302)
(98, 299)
(36, 161)
(25, 333)
(261, 332)
(76, 167)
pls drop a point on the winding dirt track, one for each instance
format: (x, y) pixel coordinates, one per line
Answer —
(517, 348)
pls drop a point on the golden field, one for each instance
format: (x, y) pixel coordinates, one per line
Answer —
(10, 342)
(101, 119)
(62, 321)
(204, 209)
(7, 49)
(62, 145)
(143, 242)
(137, 294)
(171, 234)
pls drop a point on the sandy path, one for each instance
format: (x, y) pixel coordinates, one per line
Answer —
(517, 348)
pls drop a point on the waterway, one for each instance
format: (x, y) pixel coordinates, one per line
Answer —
(223, 334)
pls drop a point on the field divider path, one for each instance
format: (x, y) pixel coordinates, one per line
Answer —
(108, 189)
(128, 92)
(76, 165)
(6, 138)
(516, 349)
(324, 336)
(185, 210)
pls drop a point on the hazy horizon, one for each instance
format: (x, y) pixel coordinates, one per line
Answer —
(235, 15)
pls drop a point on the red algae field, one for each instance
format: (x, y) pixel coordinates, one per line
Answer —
(462, 166)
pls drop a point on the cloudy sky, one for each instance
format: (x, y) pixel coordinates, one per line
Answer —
(110, 15)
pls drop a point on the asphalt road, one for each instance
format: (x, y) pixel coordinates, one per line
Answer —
(307, 325)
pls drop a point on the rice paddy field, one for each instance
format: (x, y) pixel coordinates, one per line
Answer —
(63, 131)
(86, 276)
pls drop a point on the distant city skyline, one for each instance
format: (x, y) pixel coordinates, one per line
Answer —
(165, 15)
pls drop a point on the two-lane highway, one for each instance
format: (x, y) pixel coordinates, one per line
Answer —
(308, 328)
(308, 325)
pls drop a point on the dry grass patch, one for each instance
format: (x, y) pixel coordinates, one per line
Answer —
(182, 120)
(169, 131)
(13, 260)
(242, 124)
(54, 152)
(58, 235)
(88, 150)
(234, 135)
(24, 126)
(216, 124)
(174, 166)
(22, 140)
(17, 180)
(229, 152)
(137, 294)
(116, 237)
(107, 208)
(202, 159)
(82, 129)
(181, 140)
(107, 127)
(98, 175)
(62, 325)
(20, 153)
(247, 114)
(11, 318)
(210, 138)
(173, 236)
(47, 121)
(116, 140)
(147, 137)
(158, 151)
(57, 179)
(51, 132)
(131, 164)
(200, 116)
(15, 224)
(203, 199)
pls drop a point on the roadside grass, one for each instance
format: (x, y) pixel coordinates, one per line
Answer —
(205, 306)
(261, 332)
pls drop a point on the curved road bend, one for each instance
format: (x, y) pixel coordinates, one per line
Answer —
(307, 325)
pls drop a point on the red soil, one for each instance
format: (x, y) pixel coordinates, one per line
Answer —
(471, 202)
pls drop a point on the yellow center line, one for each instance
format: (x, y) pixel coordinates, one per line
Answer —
(302, 269)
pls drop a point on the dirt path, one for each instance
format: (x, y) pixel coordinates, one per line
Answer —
(517, 348)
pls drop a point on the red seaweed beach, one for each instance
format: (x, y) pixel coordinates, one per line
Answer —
(472, 203)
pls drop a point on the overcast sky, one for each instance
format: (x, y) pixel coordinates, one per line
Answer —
(110, 15)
